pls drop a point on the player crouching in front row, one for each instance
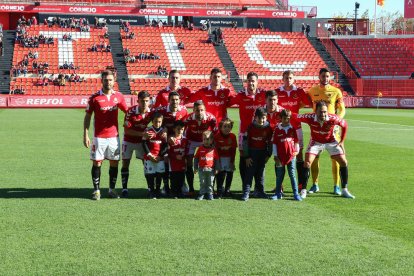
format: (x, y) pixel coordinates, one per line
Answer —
(322, 127)
(285, 149)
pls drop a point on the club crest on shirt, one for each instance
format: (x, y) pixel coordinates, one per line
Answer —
(295, 96)
(115, 100)
(222, 95)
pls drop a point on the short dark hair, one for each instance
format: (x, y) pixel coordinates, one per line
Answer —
(271, 93)
(260, 112)
(178, 123)
(173, 93)
(198, 103)
(323, 70)
(285, 113)
(107, 73)
(319, 104)
(287, 73)
(156, 115)
(226, 121)
(143, 94)
(215, 70)
(252, 74)
(173, 71)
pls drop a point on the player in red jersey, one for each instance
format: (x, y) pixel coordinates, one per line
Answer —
(104, 104)
(322, 125)
(294, 98)
(171, 113)
(196, 123)
(257, 150)
(174, 78)
(285, 150)
(248, 101)
(177, 151)
(272, 108)
(135, 122)
(226, 145)
(215, 96)
(206, 164)
(155, 147)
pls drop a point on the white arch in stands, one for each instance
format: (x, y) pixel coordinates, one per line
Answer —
(252, 49)
(173, 53)
(65, 48)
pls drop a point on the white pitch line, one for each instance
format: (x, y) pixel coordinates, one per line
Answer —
(371, 122)
(376, 128)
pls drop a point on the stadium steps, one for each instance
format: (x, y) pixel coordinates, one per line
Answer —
(6, 61)
(228, 64)
(332, 65)
(118, 58)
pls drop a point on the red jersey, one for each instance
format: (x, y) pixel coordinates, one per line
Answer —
(175, 149)
(162, 97)
(136, 121)
(226, 145)
(259, 137)
(247, 105)
(106, 113)
(323, 133)
(156, 144)
(170, 117)
(274, 117)
(216, 102)
(293, 100)
(206, 157)
(285, 140)
(194, 128)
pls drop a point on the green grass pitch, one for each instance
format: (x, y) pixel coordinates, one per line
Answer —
(50, 226)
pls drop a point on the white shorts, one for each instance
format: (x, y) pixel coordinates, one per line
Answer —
(316, 148)
(128, 148)
(299, 133)
(192, 145)
(225, 164)
(105, 148)
(152, 167)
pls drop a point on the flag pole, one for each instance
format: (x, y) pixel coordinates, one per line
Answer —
(375, 17)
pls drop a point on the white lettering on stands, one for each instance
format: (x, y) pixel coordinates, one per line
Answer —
(219, 13)
(407, 103)
(173, 53)
(84, 102)
(252, 49)
(11, 8)
(82, 9)
(284, 14)
(152, 11)
(42, 101)
(384, 102)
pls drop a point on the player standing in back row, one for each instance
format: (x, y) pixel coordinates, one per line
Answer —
(105, 145)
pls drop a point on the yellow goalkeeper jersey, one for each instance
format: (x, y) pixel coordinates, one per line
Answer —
(331, 95)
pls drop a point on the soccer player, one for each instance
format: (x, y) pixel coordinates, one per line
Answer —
(105, 145)
(215, 96)
(272, 108)
(196, 123)
(226, 145)
(174, 78)
(294, 98)
(171, 113)
(257, 149)
(177, 151)
(155, 147)
(248, 101)
(322, 126)
(285, 150)
(135, 122)
(206, 164)
(333, 98)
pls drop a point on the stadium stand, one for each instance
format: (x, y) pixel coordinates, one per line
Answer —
(214, 3)
(87, 64)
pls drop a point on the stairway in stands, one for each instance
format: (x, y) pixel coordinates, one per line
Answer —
(6, 61)
(118, 58)
(332, 65)
(228, 64)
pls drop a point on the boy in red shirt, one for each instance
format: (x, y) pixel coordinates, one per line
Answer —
(177, 151)
(285, 149)
(155, 148)
(206, 163)
(257, 150)
(226, 144)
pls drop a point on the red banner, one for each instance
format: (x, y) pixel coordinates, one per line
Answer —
(149, 11)
(409, 8)
(21, 101)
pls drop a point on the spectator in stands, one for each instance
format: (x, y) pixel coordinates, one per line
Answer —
(34, 20)
(94, 48)
(71, 66)
(51, 78)
(24, 69)
(131, 35)
(34, 65)
(208, 26)
(303, 28)
(234, 24)
(260, 24)
(64, 66)
(127, 52)
(307, 30)
(153, 56)
(30, 54)
(142, 55)
(412, 76)
(108, 48)
(50, 40)
(36, 55)
(181, 45)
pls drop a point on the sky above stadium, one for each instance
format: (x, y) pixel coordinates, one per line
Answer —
(329, 8)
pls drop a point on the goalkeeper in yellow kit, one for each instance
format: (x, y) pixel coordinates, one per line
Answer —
(333, 98)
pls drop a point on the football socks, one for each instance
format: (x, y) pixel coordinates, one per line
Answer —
(113, 175)
(96, 177)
